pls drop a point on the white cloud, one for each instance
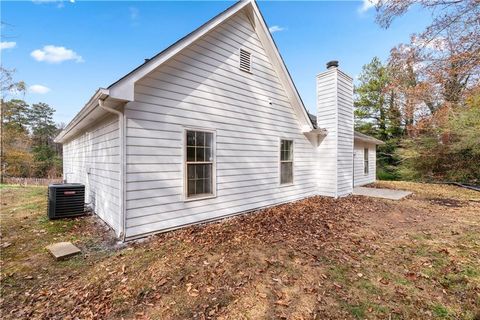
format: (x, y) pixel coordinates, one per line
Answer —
(54, 54)
(38, 88)
(367, 5)
(275, 28)
(7, 45)
(59, 3)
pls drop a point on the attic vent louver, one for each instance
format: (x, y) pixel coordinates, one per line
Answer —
(245, 61)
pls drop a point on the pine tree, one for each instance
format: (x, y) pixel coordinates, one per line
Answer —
(377, 113)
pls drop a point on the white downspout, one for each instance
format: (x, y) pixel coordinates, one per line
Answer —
(121, 131)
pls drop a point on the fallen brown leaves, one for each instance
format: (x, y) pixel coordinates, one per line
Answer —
(318, 258)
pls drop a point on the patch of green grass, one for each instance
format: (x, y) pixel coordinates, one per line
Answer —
(356, 310)
(31, 206)
(421, 250)
(339, 273)
(36, 191)
(56, 226)
(440, 311)
(387, 275)
(380, 309)
(453, 281)
(471, 272)
(403, 281)
(8, 186)
(368, 287)
(76, 262)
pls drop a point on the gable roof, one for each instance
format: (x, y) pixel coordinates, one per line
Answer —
(154, 62)
(122, 90)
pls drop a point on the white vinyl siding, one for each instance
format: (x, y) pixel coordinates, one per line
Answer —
(360, 178)
(335, 114)
(345, 134)
(92, 158)
(202, 87)
(327, 119)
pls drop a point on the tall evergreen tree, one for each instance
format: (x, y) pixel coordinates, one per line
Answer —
(377, 113)
(16, 115)
(43, 132)
(42, 124)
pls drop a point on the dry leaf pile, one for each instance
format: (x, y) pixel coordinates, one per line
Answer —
(318, 258)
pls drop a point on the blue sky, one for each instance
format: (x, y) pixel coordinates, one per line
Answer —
(65, 50)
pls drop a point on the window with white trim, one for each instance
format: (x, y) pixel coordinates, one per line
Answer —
(365, 160)
(199, 164)
(245, 61)
(286, 161)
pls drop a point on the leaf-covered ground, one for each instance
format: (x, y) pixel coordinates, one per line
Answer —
(318, 258)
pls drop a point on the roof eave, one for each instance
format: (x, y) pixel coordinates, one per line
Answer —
(366, 138)
(87, 109)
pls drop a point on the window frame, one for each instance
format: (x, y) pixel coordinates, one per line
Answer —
(185, 163)
(240, 60)
(280, 161)
(366, 161)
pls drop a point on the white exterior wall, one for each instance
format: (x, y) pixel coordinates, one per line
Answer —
(327, 119)
(345, 134)
(202, 87)
(360, 178)
(92, 158)
(335, 113)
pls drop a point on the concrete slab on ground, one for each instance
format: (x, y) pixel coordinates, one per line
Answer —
(63, 250)
(381, 193)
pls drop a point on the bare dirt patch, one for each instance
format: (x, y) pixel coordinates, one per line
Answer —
(318, 258)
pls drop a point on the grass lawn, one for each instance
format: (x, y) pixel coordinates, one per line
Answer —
(319, 258)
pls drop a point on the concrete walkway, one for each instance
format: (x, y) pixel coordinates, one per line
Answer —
(381, 193)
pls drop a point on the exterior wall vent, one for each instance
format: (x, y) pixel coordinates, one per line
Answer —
(245, 61)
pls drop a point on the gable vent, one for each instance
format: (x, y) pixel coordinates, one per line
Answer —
(245, 61)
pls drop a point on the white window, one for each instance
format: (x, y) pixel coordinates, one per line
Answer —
(365, 161)
(245, 61)
(286, 161)
(199, 164)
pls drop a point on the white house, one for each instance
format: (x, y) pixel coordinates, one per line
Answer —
(211, 127)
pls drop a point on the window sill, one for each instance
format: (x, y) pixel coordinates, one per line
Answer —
(286, 184)
(196, 198)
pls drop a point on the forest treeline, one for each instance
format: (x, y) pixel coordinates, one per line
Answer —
(423, 101)
(28, 149)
